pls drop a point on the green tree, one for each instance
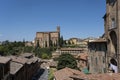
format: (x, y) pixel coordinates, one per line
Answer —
(51, 43)
(69, 43)
(66, 60)
(44, 56)
(37, 51)
(28, 49)
(38, 45)
(61, 41)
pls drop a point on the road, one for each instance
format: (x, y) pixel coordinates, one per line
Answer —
(42, 74)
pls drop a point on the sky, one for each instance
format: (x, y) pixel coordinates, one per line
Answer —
(21, 19)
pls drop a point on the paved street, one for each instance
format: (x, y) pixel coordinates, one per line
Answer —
(42, 74)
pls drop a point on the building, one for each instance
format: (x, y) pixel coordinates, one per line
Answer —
(47, 39)
(112, 31)
(82, 62)
(73, 40)
(24, 67)
(73, 51)
(16, 71)
(72, 74)
(97, 56)
(66, 73)
(76, 42)
(4, 68)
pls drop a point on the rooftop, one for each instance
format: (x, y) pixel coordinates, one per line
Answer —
(106, 76)
(64, 74)
(27, 55)
(4, 60)
(98, 40)
(70, 74)
(18, 59)
(32, 60)
(15, 67)
(83, 56)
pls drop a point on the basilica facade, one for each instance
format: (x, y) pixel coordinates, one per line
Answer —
(47, 39)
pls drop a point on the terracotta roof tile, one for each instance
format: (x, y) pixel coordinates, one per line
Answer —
(70, 74)
(64, 74)
(83, 56)
(19, 59)
(26, 54)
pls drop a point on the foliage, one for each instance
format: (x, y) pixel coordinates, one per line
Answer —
(66, 60)
(28, 49)
(16, 48)
(11, 48)
(44, 56)
(61, 42)
(44, 53)
(50, 76)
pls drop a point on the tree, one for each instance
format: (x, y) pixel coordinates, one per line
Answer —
(51, 43)
(69, 43)
(61, 41)
(28, 49)
(37, 51)
(66, 60)
(45, 56)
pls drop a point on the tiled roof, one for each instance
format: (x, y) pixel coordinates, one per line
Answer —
(4, 60)
(15, 67)
(98, 40)
(64, 74)
(18, 59)
(83, 56)
(27, 54)
(70, 74)
(32, 60)
(107, 76)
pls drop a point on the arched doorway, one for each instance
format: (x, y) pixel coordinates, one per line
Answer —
(113, 53)
(113, 37)
(113, 65)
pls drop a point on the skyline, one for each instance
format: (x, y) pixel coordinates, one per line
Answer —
(77, 18)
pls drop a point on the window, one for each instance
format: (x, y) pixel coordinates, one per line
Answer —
(113, 24)
(96, 60)
(112, 2)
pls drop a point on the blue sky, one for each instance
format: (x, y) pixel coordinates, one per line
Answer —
(21, 19)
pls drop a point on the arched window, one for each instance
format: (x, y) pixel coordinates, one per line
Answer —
(113, 24)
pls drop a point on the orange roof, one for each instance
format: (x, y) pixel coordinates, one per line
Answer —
(83, 56)
(64, 74)
(70, 74)
(106, 76)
